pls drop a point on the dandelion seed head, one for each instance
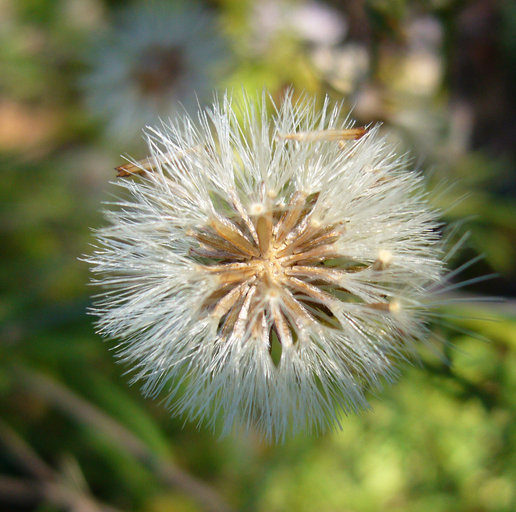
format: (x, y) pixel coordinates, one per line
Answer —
(267, 280)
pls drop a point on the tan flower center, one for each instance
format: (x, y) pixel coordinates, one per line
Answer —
(277, 271)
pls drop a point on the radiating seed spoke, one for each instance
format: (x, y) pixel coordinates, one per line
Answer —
(241, 324)
(237, 204)
(291, 217)
(215, 254)
(219, 244)
(261, 328)
(231, 233)
(230, 272)
(311, 238)
(264, 231)
(325, 236)
(226, 267)
(229, 300)
(318, 254)
(281, 325)
(311, 291)
(216, 295)
(298, 313)
(330, 275)
(380, 306)
(229, 322)
(300, 231)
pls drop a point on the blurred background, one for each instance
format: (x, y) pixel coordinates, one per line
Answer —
(78, 81)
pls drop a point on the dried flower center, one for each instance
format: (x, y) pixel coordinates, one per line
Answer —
(159, 68)
(277, 271)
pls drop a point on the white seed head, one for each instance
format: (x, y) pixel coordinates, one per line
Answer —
(248, 276)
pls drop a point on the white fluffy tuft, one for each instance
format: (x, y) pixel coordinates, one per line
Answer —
(237, 164)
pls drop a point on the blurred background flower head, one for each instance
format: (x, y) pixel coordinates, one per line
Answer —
(155, 61)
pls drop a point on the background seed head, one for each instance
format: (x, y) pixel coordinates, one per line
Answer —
(154, 62)
(265, 272)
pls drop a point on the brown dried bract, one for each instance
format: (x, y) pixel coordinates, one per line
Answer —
(150, 164)
(328, 135)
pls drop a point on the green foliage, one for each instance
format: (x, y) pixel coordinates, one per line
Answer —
(442, 439)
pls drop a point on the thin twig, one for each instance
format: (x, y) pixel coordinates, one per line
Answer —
(150, 163)
(28, 492)
(46, 485)
(81, 410)
(325, 135)
(23, 455)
